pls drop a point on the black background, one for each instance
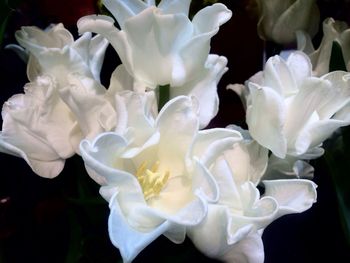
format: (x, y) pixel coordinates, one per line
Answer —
(40, 223)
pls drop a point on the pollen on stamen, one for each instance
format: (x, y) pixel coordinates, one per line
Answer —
(151, 180)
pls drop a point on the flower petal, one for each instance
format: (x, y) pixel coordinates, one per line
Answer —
(204, 88)
(292, 196)
(175, 7)
(129, 241)
(104, 25)
(86, 98)
(124, 9)
(268, 131)
(177, 119)
(248, 250)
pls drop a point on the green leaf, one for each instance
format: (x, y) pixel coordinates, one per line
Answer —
(337, 59)
(337, 156)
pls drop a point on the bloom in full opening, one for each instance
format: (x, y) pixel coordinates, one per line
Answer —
(161, 184)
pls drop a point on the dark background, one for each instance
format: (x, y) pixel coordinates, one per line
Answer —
(59, 220)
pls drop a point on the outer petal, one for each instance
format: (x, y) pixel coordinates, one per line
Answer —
(308, 123)
(104, 25)
(97, 50)
(124, 9)
(44, 168)
(39, 127)
(36, 40)
(338, 97)
(301, 15)
(174, 6)
(248, 161)
(248, 250)
(213, 228)
(157, 40)
(129, 241)
(293, 196)
(204, 88)
(268, 131)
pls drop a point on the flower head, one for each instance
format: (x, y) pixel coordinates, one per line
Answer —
(53, 51)
(290, 112)
(279, 20)
(320, 58)
(235, 222)
(160, 186)
(157, 44)
(39, 127)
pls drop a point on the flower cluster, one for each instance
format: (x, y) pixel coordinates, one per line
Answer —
(144, 139)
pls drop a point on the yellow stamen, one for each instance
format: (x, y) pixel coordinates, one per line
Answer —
(151, 180)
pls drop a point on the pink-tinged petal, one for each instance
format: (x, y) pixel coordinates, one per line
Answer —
(43, 168)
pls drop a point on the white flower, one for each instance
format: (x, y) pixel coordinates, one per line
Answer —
(279, 20)
(53, 51)
(332, 31)
(157, 184)
(292, 113)
(39, 127)
(232, 229)
(159, 45)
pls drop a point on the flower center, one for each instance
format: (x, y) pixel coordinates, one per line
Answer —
(151, 180)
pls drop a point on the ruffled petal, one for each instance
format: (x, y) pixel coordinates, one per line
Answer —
(204, 88)
(104, 25)
(128, 240)
(248, 250)
(248, 161)
(43, 168)
(292, 196)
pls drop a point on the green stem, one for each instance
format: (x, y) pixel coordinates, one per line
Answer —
(163, 95)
